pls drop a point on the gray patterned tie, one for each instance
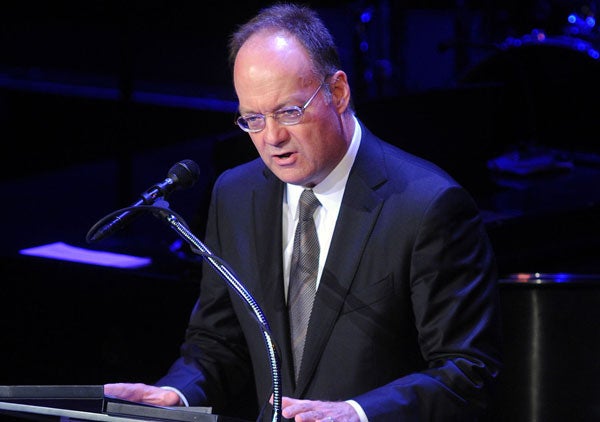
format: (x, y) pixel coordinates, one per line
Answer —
(303, 274)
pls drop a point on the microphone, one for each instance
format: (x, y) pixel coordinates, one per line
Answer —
(184, 174)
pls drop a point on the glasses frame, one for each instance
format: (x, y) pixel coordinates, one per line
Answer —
(276, 115)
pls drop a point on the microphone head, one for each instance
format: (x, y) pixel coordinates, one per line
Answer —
(184, 174)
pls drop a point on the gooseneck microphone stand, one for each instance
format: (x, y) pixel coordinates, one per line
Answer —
(160, 209)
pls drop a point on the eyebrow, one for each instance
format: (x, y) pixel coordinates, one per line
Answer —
(277, 108)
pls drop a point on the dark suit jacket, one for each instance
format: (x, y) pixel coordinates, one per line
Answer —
(405, 318)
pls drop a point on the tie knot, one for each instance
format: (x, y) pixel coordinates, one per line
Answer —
(308, 204)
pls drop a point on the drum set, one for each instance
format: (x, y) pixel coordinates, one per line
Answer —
(549, 81)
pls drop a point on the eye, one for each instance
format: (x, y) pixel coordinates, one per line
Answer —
(289, 112)
(253, 118)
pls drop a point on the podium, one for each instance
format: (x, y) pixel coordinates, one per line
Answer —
(76, 403)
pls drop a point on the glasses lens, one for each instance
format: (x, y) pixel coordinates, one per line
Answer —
(242, 123)
(256, 122)
(288, 116)
(251, 123)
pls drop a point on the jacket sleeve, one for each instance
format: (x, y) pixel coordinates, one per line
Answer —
(214, 368)
(454, 295)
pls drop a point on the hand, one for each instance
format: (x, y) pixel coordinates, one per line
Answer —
(142, 393)
(317, 411)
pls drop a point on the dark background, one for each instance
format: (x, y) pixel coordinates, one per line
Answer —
(98, 99)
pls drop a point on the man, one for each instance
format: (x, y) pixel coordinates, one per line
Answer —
(404, 320)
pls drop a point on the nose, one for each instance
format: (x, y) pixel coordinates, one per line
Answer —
(274, 133)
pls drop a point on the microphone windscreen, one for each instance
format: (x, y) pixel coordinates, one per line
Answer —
(185, 173)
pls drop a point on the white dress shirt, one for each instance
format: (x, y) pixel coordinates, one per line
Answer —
(329, 193)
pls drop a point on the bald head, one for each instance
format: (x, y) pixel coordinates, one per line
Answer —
(269, 59)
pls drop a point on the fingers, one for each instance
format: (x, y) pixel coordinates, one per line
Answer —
(317, 411)
(125, 391)
(142, 393)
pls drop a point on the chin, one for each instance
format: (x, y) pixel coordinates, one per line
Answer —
(288, 176)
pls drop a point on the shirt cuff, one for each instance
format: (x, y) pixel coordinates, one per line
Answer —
(179, 393)
(361, 413)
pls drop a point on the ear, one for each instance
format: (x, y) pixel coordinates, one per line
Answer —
(340, 91)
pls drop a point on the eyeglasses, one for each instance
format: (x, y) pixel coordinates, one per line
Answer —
(288, 116)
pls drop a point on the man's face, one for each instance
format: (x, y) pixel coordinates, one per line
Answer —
(271, 72)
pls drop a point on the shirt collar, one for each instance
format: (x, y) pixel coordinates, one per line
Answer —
(331, 189)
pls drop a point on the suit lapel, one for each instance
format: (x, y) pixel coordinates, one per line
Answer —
(267, 200)
(358, 213)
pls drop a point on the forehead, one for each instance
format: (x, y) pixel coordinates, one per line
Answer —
(271, 55)
(270, 68)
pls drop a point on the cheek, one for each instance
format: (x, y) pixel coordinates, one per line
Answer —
(325, 141)
(320, 150)
(255, 140)
(312, 148)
